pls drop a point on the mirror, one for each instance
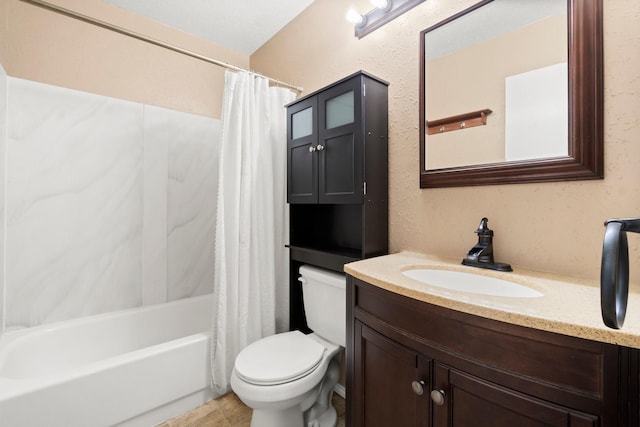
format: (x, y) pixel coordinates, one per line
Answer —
(536, 117)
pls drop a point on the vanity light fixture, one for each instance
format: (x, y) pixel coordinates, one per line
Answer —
(356, 19)
(384, 5)
(385, 11)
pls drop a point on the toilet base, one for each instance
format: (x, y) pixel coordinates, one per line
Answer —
(328, 418)
(322, 413)
(292, 417)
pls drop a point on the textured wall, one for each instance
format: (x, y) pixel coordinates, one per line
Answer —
(4, 21)
(555, 227)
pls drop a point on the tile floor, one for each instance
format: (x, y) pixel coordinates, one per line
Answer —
(229, 411)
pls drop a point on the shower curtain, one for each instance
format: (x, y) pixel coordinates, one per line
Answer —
(250, 220)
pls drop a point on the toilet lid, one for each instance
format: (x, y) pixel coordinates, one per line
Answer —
(279, 359)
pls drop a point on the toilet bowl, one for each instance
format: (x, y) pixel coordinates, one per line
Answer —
(288, 378)
(279, 397)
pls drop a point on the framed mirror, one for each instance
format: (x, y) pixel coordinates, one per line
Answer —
(512, 92)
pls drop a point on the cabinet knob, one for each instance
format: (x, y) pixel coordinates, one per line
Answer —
(320, 147)
(437, 396)
(418, 387)
(312, 149)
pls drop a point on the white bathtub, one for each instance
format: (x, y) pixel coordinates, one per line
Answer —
(135, 367)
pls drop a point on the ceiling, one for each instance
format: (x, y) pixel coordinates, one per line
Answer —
(240, 25)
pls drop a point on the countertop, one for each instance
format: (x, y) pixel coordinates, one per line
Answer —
(569, 306)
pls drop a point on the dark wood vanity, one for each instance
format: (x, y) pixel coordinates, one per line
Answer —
(411, 363)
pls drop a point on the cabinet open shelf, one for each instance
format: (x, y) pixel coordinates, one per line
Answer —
(333, 258)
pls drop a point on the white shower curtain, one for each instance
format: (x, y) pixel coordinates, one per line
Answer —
(250, 219)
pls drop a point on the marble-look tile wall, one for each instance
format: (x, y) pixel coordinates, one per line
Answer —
(180, 144)
(191, 198)
(106, 199)
(3, 138)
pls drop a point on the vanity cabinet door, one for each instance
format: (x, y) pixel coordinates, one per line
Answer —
(385, 382)
(469, 401)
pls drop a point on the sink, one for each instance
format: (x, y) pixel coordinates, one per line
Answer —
(469, 282)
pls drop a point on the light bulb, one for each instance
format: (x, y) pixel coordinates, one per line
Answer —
(354, 17)
(381, 4)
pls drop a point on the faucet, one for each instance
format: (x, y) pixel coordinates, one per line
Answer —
(481, 255)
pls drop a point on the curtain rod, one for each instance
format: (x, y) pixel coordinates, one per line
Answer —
(138, 36)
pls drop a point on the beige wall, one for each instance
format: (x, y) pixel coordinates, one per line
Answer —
(554, 227)
(4, 21)
(44, 46)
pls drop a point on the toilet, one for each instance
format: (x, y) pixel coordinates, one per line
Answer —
(288, 378)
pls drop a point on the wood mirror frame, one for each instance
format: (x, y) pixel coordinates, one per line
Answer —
(586, 110)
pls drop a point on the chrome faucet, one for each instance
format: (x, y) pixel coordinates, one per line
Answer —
(481, 255)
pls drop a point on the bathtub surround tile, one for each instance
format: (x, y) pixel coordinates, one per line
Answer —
(110, 204)
(192, 190)
(154, 228)
(3, 143)
(74, 204)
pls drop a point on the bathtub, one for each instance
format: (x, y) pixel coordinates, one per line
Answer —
(134, 367)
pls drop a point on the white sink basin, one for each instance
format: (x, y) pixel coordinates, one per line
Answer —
(473, 283)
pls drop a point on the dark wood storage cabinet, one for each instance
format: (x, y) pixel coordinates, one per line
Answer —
(337, 178)
(410, 363)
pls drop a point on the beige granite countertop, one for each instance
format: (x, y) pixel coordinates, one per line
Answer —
(569, 306)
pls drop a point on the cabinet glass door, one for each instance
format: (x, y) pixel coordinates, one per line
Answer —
(339, 110)
(302, 123)
(302, 159)
(340, 145)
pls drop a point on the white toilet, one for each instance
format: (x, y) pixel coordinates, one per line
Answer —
(288, 378)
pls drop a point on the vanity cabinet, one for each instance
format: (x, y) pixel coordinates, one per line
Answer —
(337, 178)
(410, 363)
(385, 381)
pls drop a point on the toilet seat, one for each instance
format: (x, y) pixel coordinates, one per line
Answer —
(279, 359)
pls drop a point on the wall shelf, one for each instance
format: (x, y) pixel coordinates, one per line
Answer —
(461, 121)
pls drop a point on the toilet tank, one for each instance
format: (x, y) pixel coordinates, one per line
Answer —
(324, 294)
